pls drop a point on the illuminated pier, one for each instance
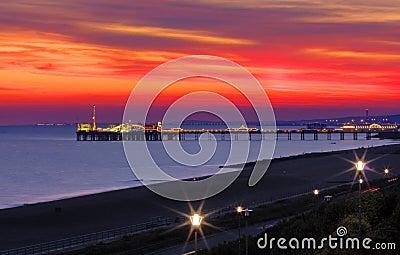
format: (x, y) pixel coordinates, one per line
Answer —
(138, 132)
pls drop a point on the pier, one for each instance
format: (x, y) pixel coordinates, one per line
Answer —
(221, 134)
(155, 132)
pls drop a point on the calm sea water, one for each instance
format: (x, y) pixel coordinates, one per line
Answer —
(47, 163)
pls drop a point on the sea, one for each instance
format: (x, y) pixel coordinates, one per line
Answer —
(45, 163)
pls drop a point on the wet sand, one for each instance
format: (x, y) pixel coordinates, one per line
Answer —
(38, 223)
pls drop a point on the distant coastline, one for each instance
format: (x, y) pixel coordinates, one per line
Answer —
(51, 124)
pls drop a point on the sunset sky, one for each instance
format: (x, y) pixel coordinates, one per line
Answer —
(314, 58)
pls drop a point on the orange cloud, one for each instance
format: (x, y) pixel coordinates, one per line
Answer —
(172, 33)
(355, 54)
(61, 55)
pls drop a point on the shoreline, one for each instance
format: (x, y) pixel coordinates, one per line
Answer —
(248, 166)
(43, 222)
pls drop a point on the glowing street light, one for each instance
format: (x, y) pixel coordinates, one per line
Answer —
(386, 171)
(360, 166)
(196, 220)
(239, 211)
(316, 192)
(246, 215)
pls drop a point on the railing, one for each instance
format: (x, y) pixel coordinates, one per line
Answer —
(85, 240)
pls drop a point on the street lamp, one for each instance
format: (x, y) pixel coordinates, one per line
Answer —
(386, 171)
(315, 193)
(360, 166)
(196, 222)
(239, 211)
(246, 215)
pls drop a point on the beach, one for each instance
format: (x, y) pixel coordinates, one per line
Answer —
(43, 222)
